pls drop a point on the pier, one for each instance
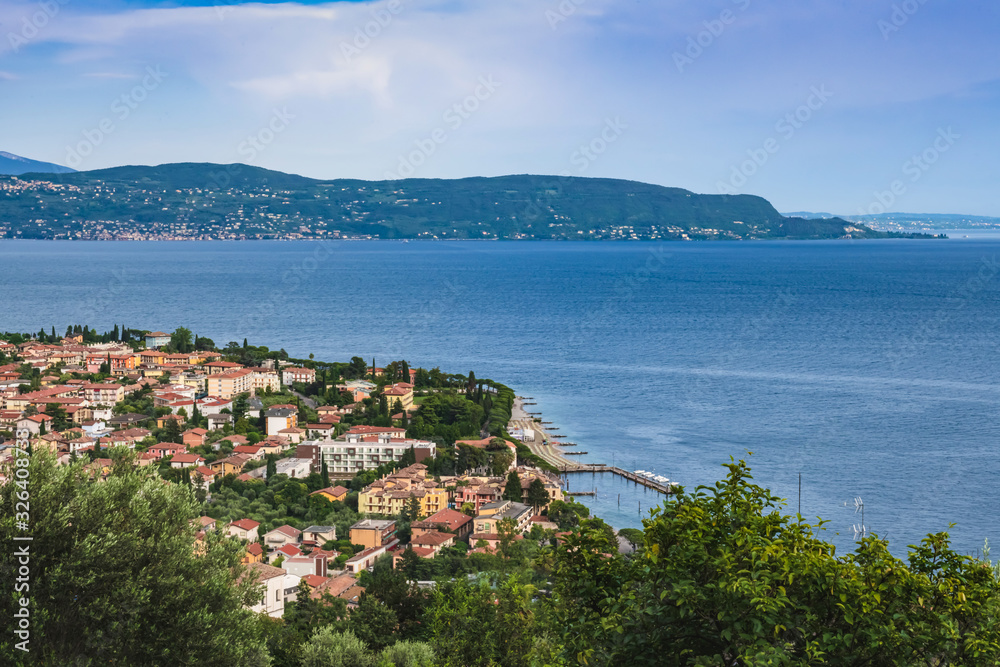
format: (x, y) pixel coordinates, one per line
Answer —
(574, 453)
(580, 493)
(631, 476)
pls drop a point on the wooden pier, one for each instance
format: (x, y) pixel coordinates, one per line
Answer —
(574, 453)
(580, 493)
(631, 476)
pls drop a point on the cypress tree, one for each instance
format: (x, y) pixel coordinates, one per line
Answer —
(325, 475)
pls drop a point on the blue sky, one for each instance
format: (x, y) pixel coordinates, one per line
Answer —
(850, 106)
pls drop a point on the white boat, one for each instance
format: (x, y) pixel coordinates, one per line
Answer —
(640, 472)
(661, 479)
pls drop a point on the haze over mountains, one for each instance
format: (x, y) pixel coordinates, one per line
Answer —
(212, 201)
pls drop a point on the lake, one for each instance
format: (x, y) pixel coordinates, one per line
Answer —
(870, 368)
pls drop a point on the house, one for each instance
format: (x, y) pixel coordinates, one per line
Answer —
(322, 431)
(206, 523)
(254, 553)
(157, 339)
(33, 424)
(219, 421)
(278, 419)
(491, 514)
(421, 552)
(273, 601)
(345, 587)
(433, 540)
(305, 565)
(295, 468)
(332, 493)
(281, 536)
(253, 452)
(319, 535)
(284, 551)
(402, 392)
(231, 464)
(194, 437)
(244, 529)
(371, 533)
(293, 374)
(162, 421)
(294, 435)
(543, 522)
(367, 558)
(447, 520)
(186, 460)
(165, 449)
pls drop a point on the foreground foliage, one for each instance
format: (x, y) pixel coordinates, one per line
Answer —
(723, 578)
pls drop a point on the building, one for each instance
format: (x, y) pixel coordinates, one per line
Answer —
(366, 559)
(244, 529)
(402, 392)
(371, 533)
(319, 535)
(165, 449)
(306, 565)
(445, 521)
(332, 493)
(281, 536)
(185, 460)
(433, 540)
(229, 465)
(279, 419)
(352, 453)
(295, 468)
(490, 516)
(230, 384)
(389, 495)
(293, 374)
(157, 339)
(273, 601)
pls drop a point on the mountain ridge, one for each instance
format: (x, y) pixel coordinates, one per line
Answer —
(207, 200)
(15, 165)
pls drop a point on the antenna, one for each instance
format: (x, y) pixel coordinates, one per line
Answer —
(862, 529)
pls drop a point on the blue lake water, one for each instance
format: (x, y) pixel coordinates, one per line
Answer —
(868, 367)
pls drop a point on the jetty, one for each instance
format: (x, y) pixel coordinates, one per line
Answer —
(580, 493)
(595, 468)
(574, 453)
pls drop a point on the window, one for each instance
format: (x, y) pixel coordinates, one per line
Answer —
(277, 595)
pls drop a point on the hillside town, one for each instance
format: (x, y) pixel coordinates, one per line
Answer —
(405, 465)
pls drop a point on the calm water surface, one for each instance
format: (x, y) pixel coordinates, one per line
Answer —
(868, 367)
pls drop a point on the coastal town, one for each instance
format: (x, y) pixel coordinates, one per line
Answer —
(412, 467)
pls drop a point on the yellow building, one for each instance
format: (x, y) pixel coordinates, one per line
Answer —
(389, 495)
(403, 392)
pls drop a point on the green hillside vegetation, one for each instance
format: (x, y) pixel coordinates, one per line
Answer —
(238, 201)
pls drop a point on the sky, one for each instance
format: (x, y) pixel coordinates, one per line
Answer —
(848, 107)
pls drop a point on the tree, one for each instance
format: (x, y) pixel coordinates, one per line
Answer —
(325, 475)
(408, 654)
(411, 512)
(500, 462)
(357, 368)
(327, 648)
(538, 495)
(724, 578)
(272, 467)
(100, 602)
(373, 623)
(180, 340)
(513, 489)
(476, 625)
(171, 431)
